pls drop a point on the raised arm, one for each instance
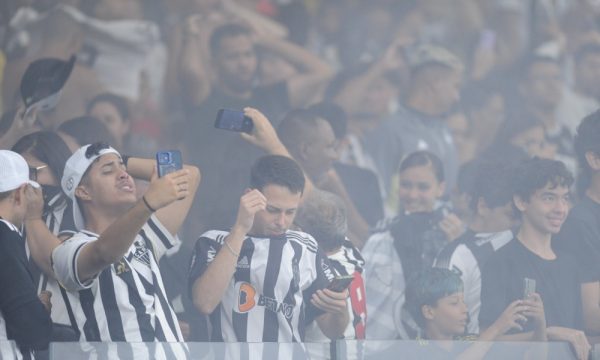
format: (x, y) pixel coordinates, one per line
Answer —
(314, 72)
(40, 239)
(208, 289)
(114, 242)
(173, 215)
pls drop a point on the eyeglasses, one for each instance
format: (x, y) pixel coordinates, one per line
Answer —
(95, 148)
(33, 172)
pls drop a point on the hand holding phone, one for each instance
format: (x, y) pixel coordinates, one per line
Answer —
(168, 161)
(340, 283)
(233, 120)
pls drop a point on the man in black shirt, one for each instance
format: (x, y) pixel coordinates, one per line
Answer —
(541, 196)
(222, 155)
(23, 317)
(580, 235)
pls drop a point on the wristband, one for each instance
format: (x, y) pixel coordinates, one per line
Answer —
(147, 205)
(231, 250)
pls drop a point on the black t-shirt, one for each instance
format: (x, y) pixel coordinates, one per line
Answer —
(27, 321)
(223, 157)
(580, 236)
(557, 282)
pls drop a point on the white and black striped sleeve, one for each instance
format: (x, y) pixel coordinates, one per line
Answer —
(64, 262)
(323, 276)
(205, 250)
(160, 237)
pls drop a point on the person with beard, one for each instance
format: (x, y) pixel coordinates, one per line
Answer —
(419, 123)
(235, 59)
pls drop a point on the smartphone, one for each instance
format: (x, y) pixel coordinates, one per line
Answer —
(233, 120)
(340, 283)
(528, 287)
(168, 161)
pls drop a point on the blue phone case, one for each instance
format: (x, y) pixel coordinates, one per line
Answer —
(168, 161)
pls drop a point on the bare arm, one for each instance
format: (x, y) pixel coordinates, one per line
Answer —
(314, 72)
(350, 97)
(118, 237)
(590, 295)
(194, 79)
(40, 239)
(173, 215)
(335, 320)
(209, 288)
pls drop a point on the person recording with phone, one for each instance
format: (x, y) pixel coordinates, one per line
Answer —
(435, 299)
(261, 281)
(323, 215)
(111, 262)
(541, 193)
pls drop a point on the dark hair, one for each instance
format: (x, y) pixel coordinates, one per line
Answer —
(48, 147)
(119, 102)
(427, 287)
(534, 174)
(424, 158)
(335, 116)
(226, 31)
(277, 170)
(296, 127)
(492, 182)
(87, 130)
(587, 139)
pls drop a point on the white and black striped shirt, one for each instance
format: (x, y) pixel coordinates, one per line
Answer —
(268, 297)
(127, 300)
(347, 260)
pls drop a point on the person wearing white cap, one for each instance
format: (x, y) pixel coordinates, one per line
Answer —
(23, 317)
(111, 263)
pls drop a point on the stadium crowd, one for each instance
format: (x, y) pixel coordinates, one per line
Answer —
(397, 170)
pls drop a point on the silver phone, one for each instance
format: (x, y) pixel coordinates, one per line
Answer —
(528, 287)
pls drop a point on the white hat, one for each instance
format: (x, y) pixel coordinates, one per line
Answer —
(75, 167)
(14, 171)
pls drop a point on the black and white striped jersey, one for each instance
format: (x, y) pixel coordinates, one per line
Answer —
(347, 260)
(127, 300)
(268, 298)
(467, 256)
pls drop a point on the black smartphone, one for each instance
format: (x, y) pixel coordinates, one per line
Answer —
(340, 283)
(168, 161)
(233, 120)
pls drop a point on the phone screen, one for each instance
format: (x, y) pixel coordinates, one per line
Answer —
(528, 287)
(233, 120)
(168, 161)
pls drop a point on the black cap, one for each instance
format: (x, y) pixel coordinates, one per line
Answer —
(43, 80)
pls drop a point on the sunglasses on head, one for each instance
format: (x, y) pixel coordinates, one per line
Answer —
(95, 148)
(33, 172)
